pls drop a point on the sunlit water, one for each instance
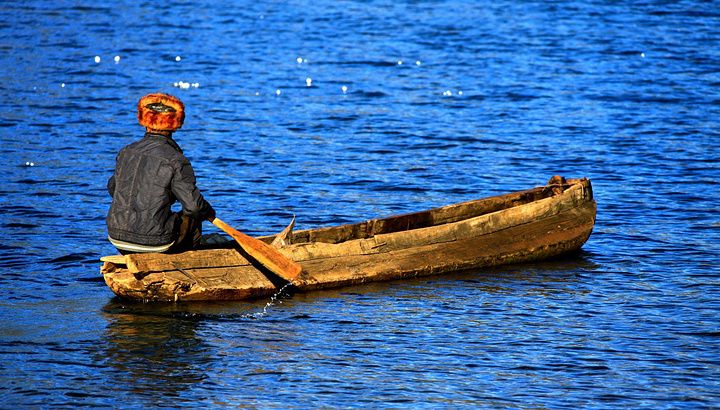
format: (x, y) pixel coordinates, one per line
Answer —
(340, 111)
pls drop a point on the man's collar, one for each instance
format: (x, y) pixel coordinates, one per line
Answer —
(168, 138)
(167, 134)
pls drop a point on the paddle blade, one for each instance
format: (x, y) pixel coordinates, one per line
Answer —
(265, 254)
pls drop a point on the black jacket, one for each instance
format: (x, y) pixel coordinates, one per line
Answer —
(150, 176)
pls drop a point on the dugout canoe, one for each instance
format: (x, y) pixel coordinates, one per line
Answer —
(531, 225)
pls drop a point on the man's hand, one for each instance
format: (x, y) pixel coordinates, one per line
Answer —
(211, 217)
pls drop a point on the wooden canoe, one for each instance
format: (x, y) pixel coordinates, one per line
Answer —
(531, 225)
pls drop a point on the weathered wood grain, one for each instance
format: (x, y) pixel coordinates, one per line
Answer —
(518, 227)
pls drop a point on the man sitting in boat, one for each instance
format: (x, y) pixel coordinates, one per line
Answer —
(150, 176)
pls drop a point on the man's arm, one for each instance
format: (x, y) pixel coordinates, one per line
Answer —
(111, 186)
(186, 191)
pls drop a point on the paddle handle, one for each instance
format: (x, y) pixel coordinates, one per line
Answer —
(268, 256)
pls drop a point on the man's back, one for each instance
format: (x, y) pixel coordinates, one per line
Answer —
(150, 176)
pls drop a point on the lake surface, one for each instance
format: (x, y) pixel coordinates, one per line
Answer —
(341, 111)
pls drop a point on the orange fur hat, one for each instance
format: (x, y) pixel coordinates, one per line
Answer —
(161, 112)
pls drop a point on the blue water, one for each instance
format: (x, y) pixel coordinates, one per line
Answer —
(410, 105)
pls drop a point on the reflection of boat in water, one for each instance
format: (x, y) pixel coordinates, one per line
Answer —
(148, 351)
(524, 226)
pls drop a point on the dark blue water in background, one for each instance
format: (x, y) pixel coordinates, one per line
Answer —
(409, 105)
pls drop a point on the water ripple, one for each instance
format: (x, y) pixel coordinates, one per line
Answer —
(343, 111)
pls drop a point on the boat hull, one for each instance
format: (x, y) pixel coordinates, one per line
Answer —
(519, 227)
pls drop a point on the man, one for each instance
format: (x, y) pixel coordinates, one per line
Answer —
(150, 176)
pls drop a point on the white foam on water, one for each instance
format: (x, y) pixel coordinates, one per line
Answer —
(274, 299)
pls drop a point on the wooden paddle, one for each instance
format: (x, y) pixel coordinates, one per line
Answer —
(268, 256)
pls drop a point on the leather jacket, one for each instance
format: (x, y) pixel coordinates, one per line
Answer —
(150, 176)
